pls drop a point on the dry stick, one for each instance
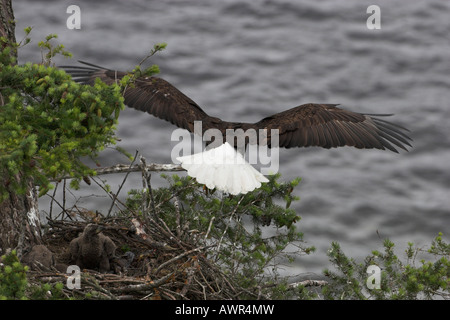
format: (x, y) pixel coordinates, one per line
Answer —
(167, 232)
(203, 286)
(51, 202)
(144, 286)
(178, 216)
(121, 185)
(109, 194)
(120, 168)
(206, 282)
(229, 222)
(164, 292)
(224, 277)
(144, 188)
(180, 256)
(85, 280)
(64, 198)
(147, 178)
(146, 182)
(104, 189)
(209, 227)
(62, 208)
(190, 277)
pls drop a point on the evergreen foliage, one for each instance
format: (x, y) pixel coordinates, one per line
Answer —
(48, 122)
(248, 234)
(14, 284)
(13, 278)
(428, 279)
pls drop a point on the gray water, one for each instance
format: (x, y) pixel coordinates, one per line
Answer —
(244, 60)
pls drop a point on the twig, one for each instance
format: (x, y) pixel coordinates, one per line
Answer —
(144, 286)
(209, 227)
(190, 276)
(64, 196)
(111, 196)
(51, 202)
(229, 222)
(146, 181)
(121, 168)
(64, 211)
(120, 187)
(178, 257)
(96, 286)
(152, 53)
(180, 230)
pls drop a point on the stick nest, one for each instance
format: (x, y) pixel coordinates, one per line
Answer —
(166, 264)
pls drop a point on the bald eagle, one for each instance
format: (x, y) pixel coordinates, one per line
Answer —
(311, 124)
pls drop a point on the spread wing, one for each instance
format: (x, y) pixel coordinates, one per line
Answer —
(328, 126)
(149, 94)
(322, 125)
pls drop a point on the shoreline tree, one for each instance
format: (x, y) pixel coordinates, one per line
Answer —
(19, 222)
(47, 123)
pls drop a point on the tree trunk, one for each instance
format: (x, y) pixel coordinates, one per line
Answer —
(20, 227)
(7, 24)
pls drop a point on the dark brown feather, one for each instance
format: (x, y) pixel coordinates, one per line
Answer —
(311, 124)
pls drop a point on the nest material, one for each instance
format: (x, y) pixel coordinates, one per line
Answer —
(166, 264)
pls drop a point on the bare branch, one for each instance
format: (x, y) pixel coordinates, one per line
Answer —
(124, 168)
(180, 256)
(309, 283)
(120, 187)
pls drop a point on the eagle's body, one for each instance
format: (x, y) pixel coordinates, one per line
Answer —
(323, 125)
(39, 256)
(92, 249)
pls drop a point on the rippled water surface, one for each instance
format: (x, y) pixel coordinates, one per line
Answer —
(244, 60)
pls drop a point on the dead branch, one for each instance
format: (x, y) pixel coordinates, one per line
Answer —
(309, 283)
(121, 185)
(179, 257)
(144, 287)
(124, 168)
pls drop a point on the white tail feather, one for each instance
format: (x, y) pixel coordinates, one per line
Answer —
(223, 168)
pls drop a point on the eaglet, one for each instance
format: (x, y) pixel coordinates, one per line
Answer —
(40, 257)
(92, 249)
